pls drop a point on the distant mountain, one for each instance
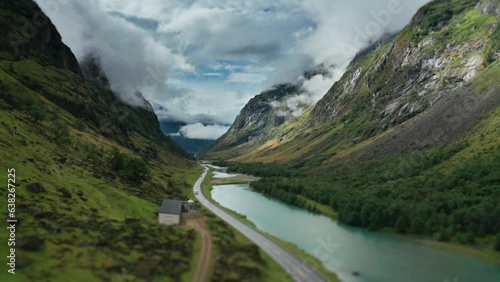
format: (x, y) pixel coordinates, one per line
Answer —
(260, 120)
(257, 122)
(192, 146)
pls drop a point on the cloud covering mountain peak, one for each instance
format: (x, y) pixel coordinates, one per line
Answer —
(205, 58)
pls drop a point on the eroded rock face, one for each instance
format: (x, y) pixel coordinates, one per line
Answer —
(413, 71)
(36, 38)
(491, 7)
(257, 116)
(446, 45)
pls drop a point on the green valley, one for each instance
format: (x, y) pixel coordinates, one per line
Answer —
(90, 171)
(407, 140)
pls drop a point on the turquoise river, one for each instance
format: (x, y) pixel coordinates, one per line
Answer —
(354, 254)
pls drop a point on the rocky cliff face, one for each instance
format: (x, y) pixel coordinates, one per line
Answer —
(445, 47)
(491, 7)
(29, 33)
(434, 55)
(263, 116)
(32, 40)
(256, 122)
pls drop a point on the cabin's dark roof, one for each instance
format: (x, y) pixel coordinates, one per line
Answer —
(171, 207)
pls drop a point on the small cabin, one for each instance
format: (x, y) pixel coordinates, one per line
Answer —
(170, 212)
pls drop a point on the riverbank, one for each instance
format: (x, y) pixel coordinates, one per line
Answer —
(206, 188)
(224, 181)
(207, 185)
(273, 271)
(482, 249)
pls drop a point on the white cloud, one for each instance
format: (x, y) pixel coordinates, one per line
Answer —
(246, 78)
(344, 27)
(213, 74)
(208, 58)
(200, 131)
(132, 59)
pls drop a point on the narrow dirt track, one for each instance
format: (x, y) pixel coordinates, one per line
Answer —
(201, 273)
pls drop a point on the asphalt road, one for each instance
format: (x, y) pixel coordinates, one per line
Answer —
(298, 269)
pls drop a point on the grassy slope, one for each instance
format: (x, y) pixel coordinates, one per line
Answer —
(80, 220)
(80, 217)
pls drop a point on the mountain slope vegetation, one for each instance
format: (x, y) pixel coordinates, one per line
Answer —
(407, 139)
(391, 85)
(90, 170)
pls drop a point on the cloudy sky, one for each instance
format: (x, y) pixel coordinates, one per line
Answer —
(200, 61)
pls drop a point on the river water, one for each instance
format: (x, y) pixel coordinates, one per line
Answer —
(345, 250)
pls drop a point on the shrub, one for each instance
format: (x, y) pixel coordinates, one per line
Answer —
(135, 169)
(79, 124)
(116, 160)
(60, 130)
(38, 113)
(465, 238)
(497, 242)
(417, 225)
(89, 150)
(443, 235)
(401, 224)
(128, 167)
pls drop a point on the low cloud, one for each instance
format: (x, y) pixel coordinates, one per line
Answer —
(246, 78)
(200, 61)
(342, 29)
(201, 131)
(131, 58)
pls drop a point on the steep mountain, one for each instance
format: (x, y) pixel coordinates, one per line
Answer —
(407, 140)
(262, 117)
(429, 85)
(90, 171)
(257, 123)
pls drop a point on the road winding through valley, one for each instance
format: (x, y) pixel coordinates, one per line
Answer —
(299, 270)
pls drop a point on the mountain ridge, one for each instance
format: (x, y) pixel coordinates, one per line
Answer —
(391, 84)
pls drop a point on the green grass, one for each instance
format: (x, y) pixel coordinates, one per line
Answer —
(311, 260)
(482, 249)
(82, 215)
(188, 276)
(322, 209)
(229, 181)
